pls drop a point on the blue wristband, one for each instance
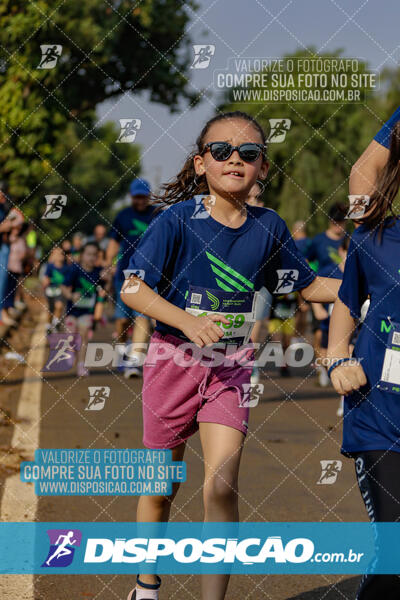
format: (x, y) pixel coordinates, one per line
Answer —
(337, 363)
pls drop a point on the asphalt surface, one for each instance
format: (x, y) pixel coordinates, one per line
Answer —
(291, 430)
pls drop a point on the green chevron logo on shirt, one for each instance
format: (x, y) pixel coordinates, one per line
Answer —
(213, 299)
(86, 286)
(57, 278)
(139, 227)
(227, 278)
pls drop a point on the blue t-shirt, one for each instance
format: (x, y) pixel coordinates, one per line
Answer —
(179, 250)
(324, 250)
(127, 229)
(303, 245)
(86, 283)
(372, 414)
(57, 275)
(384, 134)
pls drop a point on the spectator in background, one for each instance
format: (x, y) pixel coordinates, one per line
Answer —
(16, 257)
(12, 219)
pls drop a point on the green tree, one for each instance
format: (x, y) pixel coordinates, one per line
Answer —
(108, 48)
(93, 175)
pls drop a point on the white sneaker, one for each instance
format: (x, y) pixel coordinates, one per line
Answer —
(323, 377)
(340, 410)
(255, 375)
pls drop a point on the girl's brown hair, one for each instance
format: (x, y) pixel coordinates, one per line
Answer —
(186, 184)
(387, 187)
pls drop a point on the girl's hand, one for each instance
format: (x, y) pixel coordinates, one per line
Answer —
(348, 377)
(203, 331)
(75, 296)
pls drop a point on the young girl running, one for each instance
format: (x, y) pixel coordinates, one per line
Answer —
(371, 426)
(207, 254)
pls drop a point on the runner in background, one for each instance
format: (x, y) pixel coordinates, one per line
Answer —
(99, 236)
(323, 251)
(13, 219)
(281, 325)
(83, 288)
(78, 240)
(124, 235)
(264, 298)
(54, 277)
(303, 312)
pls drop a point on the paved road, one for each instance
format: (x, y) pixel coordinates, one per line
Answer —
(291, 430)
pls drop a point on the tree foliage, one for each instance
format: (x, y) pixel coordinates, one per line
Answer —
(309, 171)
(108, 48)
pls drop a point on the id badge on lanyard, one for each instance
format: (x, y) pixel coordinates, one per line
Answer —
(237, 307)
(390, 376)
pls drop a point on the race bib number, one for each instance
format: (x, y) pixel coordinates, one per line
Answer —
(390, 376)
(237, 307)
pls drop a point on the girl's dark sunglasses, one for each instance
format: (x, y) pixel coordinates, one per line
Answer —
(249, 152)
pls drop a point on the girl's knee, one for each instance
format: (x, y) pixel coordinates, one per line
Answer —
(220, 490)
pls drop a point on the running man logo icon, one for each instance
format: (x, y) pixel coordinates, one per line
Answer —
(330, 471)
(54, 206)
(50, 55)
(286, 280)
(279, 129)
(129, 129)
(63, 347)
(202, 55)
(203, 206)
(97, 397)
(132, 280)
(63, 543)
(251, 394)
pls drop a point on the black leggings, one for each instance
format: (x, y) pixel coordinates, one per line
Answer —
(378, 477)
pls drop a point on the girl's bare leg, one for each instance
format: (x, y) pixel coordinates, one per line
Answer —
(156, 509)
(222, 450)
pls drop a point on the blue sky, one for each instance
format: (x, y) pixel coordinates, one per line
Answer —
(364, 29)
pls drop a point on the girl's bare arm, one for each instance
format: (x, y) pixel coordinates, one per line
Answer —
(322, 289)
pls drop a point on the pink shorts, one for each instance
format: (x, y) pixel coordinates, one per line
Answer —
(179, 391)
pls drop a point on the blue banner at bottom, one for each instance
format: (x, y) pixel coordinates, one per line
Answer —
(270, 548)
